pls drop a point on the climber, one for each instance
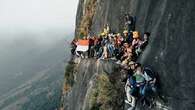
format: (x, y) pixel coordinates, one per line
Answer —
(130, 69)
(134, 84)
(74, 44)
(120, 55)
(127, 56)
(140, 83)
(136, 39)
(91, 47)
(150, 78)
(128, 37)
(136, 42)
(106, 29)
(118, 40)
(104, 38)
(125, 35)
(82, 47)
(120, 48)
(149, 89)
(104, 51)
(110, 45)
(129, 22)
(145, 41)
(131, 90)
(97, 45)
(140, 79)
(116, 44)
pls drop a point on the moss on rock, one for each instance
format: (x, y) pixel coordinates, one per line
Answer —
(87, 18)
(69, 77)
(103, 94)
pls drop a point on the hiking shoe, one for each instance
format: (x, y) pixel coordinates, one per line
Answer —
(131, 108)
(82, 56)
(118, 62)
(126, 101)
(113, 58)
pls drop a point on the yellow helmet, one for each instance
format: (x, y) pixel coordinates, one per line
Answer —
(125, 32)
(105, 31)
(103, 34)
(136, 34)
(119, 34)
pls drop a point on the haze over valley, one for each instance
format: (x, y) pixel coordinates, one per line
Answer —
(34, 49)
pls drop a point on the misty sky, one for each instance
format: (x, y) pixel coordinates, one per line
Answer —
(36, 16)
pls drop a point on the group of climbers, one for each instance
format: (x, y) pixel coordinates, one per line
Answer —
(124, 49)
(140, 84)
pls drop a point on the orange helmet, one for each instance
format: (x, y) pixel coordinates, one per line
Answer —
(136, 34)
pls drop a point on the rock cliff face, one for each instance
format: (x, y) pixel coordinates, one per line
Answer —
(170, 51)
(96, 86)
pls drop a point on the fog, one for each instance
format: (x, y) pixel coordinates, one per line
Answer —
(32, 37)
(38, 17)
(40, 23)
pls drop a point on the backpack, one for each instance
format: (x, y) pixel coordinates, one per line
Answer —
(132, 81)
(149, 72)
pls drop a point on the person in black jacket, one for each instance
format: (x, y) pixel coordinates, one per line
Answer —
(145, 40)
(150, 88)
(129, 22)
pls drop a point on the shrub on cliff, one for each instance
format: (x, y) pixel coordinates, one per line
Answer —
(69, 77)
(102, 94)
(86, 21)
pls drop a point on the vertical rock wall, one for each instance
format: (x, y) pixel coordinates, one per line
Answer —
(172, 44)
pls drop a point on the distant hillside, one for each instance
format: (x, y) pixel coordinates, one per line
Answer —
(32, 75)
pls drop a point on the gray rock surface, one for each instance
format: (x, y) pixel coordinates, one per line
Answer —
(85, 77)
(172, 44)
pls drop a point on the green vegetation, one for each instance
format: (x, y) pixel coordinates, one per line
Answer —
(102, 95)
(68, 81)
(86, 21)
(69, 77)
